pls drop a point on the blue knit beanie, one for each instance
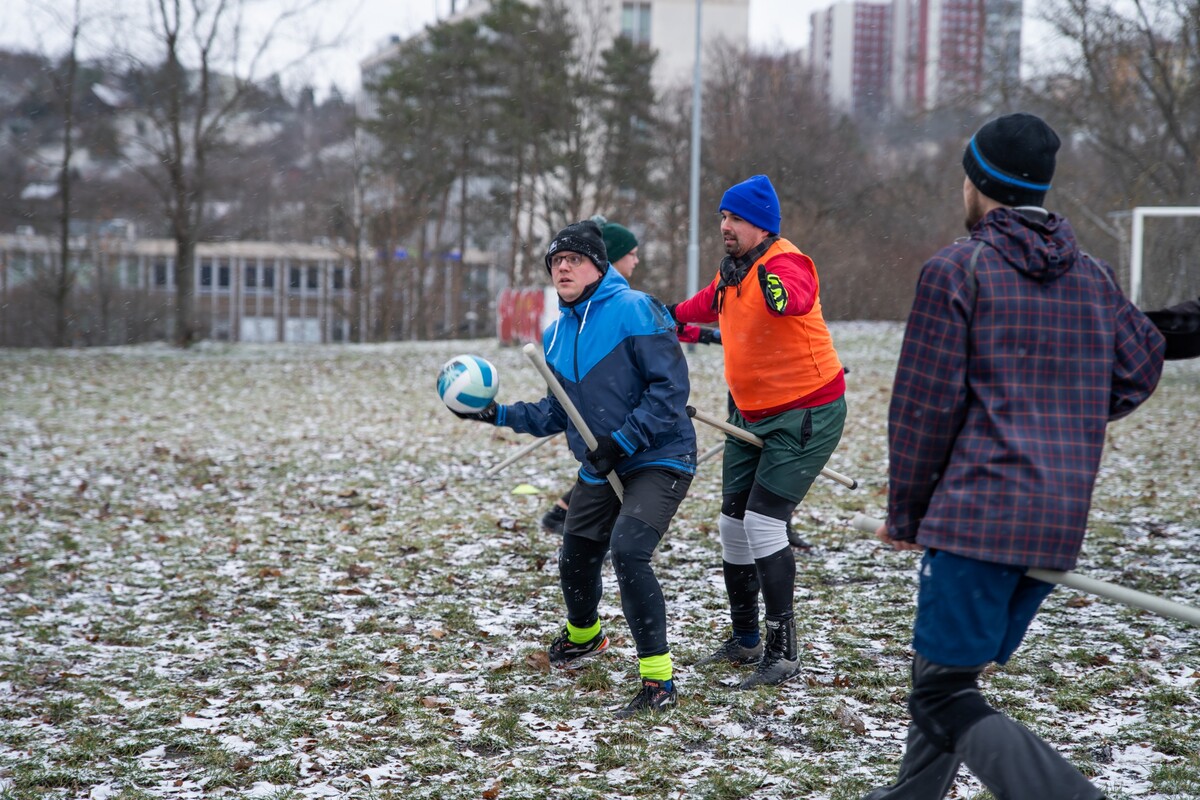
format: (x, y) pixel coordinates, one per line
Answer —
(755, 201)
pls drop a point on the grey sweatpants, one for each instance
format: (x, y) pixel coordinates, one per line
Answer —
(1012, 762)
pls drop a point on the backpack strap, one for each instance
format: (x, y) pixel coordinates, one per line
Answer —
(972, 277)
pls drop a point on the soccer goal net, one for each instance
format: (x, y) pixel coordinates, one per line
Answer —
(1164, 257)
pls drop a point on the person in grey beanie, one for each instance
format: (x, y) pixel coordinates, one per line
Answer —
(1019, 350)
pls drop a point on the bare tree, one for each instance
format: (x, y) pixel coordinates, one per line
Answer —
(204, 66)
(64, 85)
(1128, 97)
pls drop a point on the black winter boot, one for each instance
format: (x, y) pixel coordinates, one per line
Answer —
(780, 660)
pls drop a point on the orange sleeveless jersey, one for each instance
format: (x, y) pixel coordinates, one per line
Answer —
(774, 362)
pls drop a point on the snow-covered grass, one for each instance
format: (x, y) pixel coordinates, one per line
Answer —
(281, 572)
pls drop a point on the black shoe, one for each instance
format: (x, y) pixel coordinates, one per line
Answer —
(565, 654)
(553, 520)
(734, 652)
(653, 696)
(780, 661)
(795, 540)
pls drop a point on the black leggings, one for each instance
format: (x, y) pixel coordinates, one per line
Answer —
(580, 564)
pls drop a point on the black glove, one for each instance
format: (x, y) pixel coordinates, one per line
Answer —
(678, 325)
(710, 336)
(605, 457)
(488, 414)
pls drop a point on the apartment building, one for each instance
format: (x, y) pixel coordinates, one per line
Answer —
(850, 52)
(916, 55)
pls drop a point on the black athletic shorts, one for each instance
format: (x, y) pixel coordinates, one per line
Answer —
(651, 496)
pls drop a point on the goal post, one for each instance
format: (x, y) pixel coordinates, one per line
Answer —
(1137, 236)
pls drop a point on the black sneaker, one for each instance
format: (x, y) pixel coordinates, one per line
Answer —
(565, 654)
(795, 540)
(653, 696)
(772, 670)
(553, 520)
(734, 652)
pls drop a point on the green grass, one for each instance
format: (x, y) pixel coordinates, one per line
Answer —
(284, 568)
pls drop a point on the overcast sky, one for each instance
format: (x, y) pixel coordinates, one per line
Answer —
(365, 23)
(361, 24)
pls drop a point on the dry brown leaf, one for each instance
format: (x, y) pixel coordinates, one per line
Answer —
(493, 792)
(438, 633)
(538, 660)
(848, 719)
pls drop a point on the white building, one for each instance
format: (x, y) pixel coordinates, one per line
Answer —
(668, 26)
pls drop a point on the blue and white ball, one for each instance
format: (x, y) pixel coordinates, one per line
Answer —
(467, 383)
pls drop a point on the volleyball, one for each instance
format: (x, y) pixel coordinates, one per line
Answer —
(467, 383)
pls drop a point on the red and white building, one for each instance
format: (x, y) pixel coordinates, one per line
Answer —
(916, 55)
(850, 51)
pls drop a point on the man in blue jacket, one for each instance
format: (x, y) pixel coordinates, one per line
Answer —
(1018, 352)
(615, 352)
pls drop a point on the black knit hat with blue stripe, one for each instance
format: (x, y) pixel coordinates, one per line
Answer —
(1011, 159)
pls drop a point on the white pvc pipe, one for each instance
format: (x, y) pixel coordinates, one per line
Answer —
(1111, 591)
(517, 456)
(709, 453)
(539, 360)
(747, 436)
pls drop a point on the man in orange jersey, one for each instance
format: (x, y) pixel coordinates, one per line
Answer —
(789, 389)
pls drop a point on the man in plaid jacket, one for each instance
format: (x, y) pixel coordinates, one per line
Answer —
(1019, 350)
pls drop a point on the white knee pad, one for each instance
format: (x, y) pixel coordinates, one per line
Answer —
(766, 535)
(735, 547)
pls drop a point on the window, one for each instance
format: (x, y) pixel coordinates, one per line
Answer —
(294, 278)
(223, 275)
(635, 22)
(251, 277)
(311, 283)
(268, 276)
(339, 279)
(206, 275)
(160, 273)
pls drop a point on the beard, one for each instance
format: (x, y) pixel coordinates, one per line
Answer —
(974, 211)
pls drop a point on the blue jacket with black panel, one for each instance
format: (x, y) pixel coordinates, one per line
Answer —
(618, 359)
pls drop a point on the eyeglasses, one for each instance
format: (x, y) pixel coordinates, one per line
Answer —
(570, 259)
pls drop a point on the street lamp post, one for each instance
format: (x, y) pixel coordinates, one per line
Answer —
(693, 251)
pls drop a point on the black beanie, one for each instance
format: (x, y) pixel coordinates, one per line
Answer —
(583, 238)
(1011, 159)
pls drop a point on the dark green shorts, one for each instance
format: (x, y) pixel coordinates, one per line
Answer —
(796, 446)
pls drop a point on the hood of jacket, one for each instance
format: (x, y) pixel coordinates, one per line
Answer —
(1044, 249)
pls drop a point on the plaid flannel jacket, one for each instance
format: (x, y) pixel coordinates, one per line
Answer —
(1008, 375)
